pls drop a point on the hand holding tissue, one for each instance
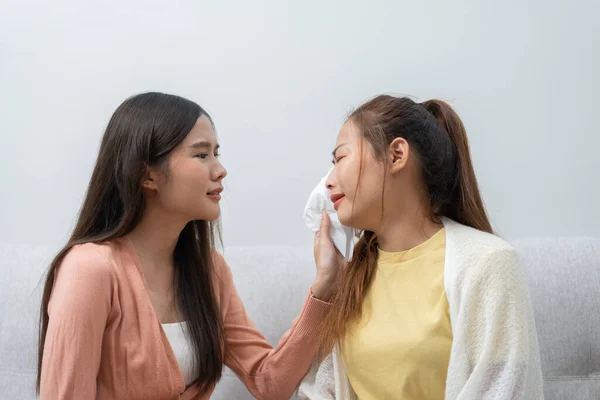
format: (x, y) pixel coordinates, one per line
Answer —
(319, 202)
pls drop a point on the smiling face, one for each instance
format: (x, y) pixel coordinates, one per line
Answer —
(357, 180)
(191, 183)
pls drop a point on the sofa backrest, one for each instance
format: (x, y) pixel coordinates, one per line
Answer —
(563, 276)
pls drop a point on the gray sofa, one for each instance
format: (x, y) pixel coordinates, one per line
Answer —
(563, 274)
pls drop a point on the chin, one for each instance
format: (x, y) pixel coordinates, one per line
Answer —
(345, 218)
(209, 215)
(350, 219)
(212, 217)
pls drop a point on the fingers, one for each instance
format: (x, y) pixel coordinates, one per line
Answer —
(324, 227)
(325, 222)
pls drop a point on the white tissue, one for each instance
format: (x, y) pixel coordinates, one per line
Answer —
(319, 201)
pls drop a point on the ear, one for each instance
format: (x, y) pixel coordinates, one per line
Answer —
(150, 180)
(399, 151)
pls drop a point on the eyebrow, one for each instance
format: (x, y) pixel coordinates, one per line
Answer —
(203, 144)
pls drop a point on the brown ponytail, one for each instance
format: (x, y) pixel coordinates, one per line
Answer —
(465, 204)
(437, 134)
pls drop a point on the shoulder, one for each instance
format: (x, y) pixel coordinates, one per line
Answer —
(84, 281)
(222, 277)
(473, 241)
(88, 262)
(468, 245)
(474, 256)
(221, 269)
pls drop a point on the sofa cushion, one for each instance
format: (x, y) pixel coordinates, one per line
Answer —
(564, 281)
(22, 269)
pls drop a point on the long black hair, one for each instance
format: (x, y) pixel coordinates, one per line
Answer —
(142, 132)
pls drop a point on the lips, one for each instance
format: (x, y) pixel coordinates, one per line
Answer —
(337, 199)
(215, 194)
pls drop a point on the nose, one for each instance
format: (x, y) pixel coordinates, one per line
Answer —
(331, 180)
(219, 172)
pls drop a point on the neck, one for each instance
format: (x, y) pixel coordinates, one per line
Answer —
(155, 238)
(406, 228)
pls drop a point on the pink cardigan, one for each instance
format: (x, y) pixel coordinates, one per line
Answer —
(104, 340)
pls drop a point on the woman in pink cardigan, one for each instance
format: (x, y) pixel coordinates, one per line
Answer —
(138, 305)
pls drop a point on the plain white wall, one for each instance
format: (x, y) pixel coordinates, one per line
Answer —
(278, 77)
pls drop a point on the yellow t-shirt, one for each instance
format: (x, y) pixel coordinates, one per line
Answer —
(400, 348)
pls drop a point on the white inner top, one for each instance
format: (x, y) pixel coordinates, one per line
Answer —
(182, 349)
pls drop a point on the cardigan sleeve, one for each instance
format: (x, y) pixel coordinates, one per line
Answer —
(319, 382)
(78, 311)
(495, 353)
(267, 372)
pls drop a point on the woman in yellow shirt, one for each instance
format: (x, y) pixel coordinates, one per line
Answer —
(431, 305)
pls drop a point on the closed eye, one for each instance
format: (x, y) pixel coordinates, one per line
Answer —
(204, 155)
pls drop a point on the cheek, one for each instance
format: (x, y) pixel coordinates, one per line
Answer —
(187, 182)
(368, 186)
(347, 177)
(197, 176)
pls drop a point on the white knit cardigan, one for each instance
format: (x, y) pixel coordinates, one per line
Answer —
(494, 352)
